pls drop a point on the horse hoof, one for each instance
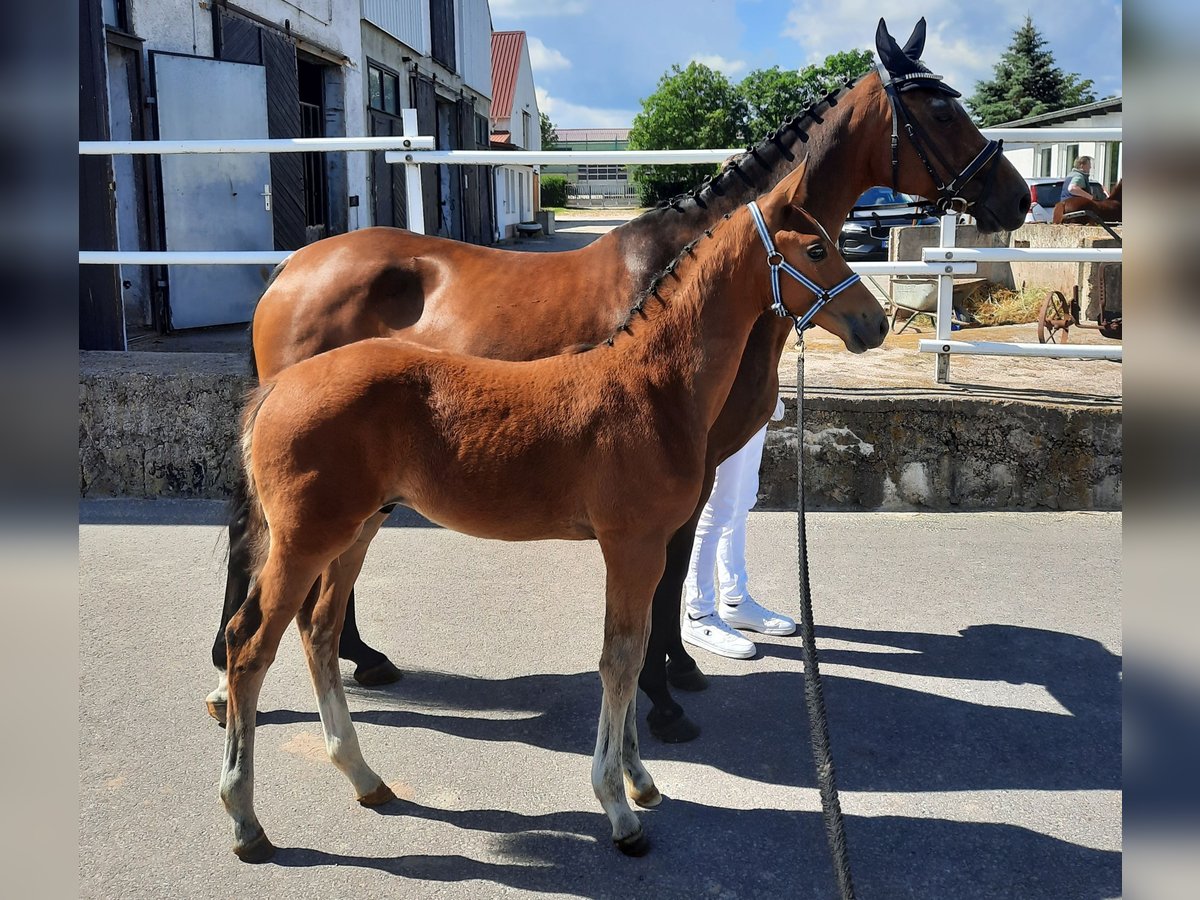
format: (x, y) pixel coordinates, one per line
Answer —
(378, 674)
(647, 799)
(378, 797)
(675, 730)
(258, 850)
(635, 845)
(217, 709)
(692, 680)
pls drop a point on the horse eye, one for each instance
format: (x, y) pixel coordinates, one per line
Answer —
(817, 252)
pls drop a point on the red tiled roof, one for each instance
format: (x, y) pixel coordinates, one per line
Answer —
(506, 63)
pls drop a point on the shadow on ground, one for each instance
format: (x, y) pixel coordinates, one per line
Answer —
(568, 852)
(885, 737)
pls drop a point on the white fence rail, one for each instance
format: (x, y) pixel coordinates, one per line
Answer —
(944, 261)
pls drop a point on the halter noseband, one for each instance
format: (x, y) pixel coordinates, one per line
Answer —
(948, 193)
(776, 261)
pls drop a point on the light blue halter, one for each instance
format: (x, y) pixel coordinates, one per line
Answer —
(776, 261)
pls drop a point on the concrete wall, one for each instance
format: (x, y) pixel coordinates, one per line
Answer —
(165, 425)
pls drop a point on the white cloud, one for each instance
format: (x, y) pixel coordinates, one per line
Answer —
(528, 9)
(566, 114)
(545, 59)
(962, 54)
(730, 67)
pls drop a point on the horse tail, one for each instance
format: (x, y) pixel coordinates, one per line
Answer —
(275, 273)
(258, 534)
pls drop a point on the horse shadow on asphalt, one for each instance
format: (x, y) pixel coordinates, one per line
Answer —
(699, 850)
(885, 737)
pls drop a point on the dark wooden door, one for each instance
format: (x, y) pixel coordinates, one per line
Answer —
(389, 201)
(101, 316)
(425, 100)
(244, 41)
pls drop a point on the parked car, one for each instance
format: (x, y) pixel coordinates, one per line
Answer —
(1044, 193)
(864, 236)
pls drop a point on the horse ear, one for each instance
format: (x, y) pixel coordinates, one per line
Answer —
(916, 41)
(883, 41)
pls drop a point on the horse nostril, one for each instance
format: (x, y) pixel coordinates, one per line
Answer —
(1024, 203)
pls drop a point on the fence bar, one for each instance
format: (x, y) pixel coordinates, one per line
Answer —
(561, 157)
(182, 257)
(265, 145)
(412, 179)
(1021, 254)
(945, 295)
(914, 268)
(1013, 348)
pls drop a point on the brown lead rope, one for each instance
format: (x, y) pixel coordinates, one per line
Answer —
(814, 701)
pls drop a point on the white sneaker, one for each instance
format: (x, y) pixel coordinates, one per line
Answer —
(752, 616)
(715, 636)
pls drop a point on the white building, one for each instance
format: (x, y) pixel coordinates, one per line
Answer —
(515, 125)
(161, 69)
(1055, 159)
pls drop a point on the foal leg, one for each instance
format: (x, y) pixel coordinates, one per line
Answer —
(252, 640)
(637, 780)
(633, 569)
(320, 621)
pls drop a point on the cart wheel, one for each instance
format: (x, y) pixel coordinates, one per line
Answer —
(1055, 319)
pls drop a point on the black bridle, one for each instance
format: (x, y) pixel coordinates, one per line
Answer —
(949, 193)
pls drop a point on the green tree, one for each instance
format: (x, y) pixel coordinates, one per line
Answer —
(696, 108)
(1027, 83)
(773, 95)
(549, 133)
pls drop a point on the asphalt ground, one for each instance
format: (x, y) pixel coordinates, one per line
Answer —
(972, 672)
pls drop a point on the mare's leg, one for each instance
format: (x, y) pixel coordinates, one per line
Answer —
(667, 720)
(252, 640)
(237, 585)
(372, 668)
(320, 621)
(633, 568)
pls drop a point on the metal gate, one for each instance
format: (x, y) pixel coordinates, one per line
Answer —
(213, 202)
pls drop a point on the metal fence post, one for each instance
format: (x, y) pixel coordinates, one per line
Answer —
(412, 178)
(945, 296)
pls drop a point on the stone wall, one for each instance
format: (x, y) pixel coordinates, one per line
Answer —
(945, 454)
(166, 424)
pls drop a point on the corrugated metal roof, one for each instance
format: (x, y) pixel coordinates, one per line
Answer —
(506, 63)
(1109, 104)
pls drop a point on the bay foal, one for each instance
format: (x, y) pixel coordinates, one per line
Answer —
(608, 443)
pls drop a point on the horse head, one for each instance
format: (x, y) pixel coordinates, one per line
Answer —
(852, 312)
(944, 158)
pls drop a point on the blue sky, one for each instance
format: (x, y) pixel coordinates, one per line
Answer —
(594, 60)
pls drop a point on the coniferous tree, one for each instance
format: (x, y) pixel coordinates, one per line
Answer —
(1027, 83)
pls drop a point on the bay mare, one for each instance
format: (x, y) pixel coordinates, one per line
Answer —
(609, 443)
(507, 305)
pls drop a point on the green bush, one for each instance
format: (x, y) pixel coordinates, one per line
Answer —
(554, 190)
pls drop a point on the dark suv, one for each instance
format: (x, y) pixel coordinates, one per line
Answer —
(864, 236)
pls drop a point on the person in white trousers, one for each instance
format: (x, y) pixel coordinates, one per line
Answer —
(720, 547)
